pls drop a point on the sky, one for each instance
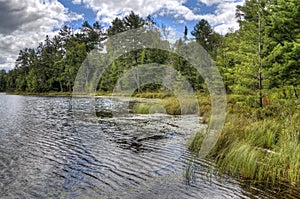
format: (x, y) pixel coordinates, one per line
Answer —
(24, 24)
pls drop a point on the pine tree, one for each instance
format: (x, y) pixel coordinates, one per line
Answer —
(207, 37)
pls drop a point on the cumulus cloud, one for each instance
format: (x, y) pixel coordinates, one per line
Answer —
(12, 17)
(107, 10)
(222, 19)
(26, 23)
(76, 1)
(212, 2)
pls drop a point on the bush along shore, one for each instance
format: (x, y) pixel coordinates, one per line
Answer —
(261, 145)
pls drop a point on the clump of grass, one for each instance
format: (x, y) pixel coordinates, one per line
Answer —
(171, 105)
(262, 145)
(241, 158)
(175, 107)
(196, 141)
(260, 154)
(206, 117)
(142, 108)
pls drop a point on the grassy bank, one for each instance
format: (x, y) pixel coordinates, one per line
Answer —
(54, 94)
(152, 95)
(44, 94)
(259, 144)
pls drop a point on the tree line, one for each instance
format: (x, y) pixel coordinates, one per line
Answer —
(260, 57)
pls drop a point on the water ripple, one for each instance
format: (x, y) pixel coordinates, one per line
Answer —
(46, 151)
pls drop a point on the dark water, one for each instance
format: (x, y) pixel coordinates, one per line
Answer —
(47, 151)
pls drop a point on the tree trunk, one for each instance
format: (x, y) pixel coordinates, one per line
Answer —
(137, 77)
(259, 63)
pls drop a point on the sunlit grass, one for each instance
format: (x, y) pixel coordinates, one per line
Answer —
(175, 106)
(258, 144)
(262, 145)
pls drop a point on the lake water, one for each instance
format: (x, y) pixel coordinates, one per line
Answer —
(49, 151)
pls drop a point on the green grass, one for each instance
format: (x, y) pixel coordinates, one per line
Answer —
(173, 106)
(261, 145)
(196, 141)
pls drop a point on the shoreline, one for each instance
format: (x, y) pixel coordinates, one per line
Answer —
(255, 143)
(54, 94)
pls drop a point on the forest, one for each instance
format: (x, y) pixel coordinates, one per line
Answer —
(259, 64)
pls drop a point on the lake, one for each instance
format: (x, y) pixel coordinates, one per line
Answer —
(49, 149)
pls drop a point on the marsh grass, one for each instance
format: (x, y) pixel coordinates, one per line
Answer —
(194, 144)
(261, 145)
(142, 108)
(173, 106)
(156, 95)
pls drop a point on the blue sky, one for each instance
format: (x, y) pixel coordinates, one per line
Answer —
(162, 15)
(26, 23)
(167, 19)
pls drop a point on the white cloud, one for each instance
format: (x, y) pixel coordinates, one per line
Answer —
(222, 19)
(212, 2)
(107, 10)
(26, 23)
(76, 1)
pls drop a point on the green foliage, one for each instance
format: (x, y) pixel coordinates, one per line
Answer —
(3, 80)
(206, 37)
(53, 65)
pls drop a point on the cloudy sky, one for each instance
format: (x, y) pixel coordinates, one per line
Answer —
(26, 23)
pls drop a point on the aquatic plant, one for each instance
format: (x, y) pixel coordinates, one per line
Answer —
(261, 145)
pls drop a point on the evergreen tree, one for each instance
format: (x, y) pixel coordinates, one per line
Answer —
(283, 50)
(3, 80)
(207, 37)
(249, 70)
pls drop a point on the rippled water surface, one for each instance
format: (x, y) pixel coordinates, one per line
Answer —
(48, 151)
